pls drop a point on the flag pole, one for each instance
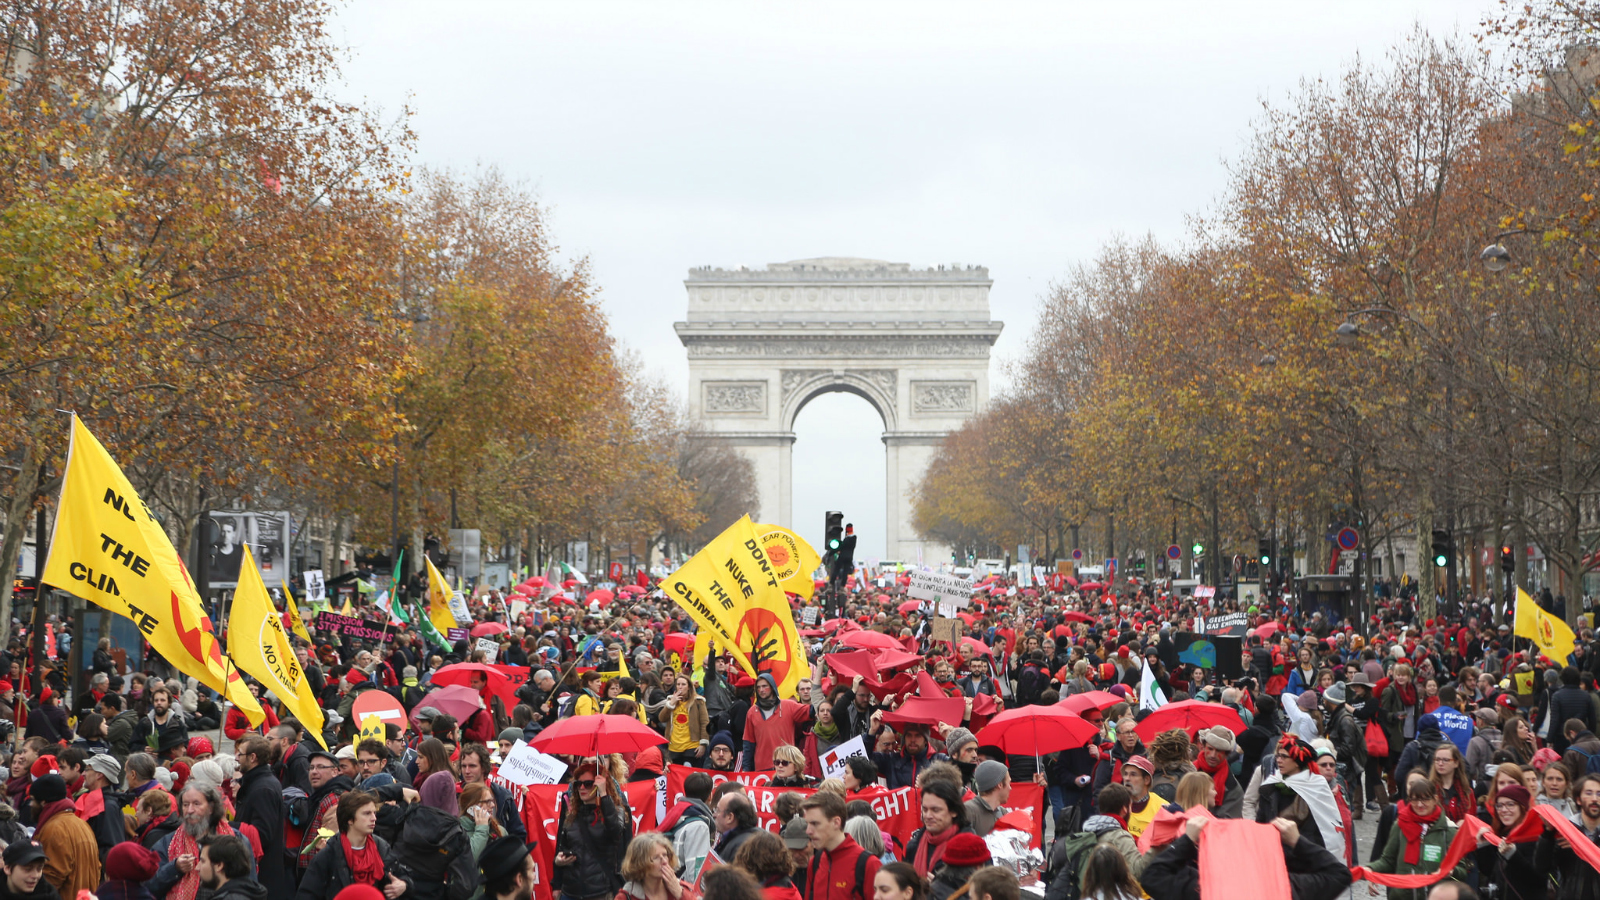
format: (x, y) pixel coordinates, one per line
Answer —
(222, 712)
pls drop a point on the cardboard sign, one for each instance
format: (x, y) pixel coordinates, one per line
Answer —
(357, 628)
(938, 587)
(490, 648)
(836, 761)
(371, 728)
(809, 614)
(946, 630)
(526, 766)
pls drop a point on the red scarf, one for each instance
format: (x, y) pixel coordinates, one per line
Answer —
(1407, 693)
(931, 849)
(189, 885)
(1411, 826)
(1219, 774)
(366, 865)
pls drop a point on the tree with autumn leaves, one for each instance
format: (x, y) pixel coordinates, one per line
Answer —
(1213, 383)
(235, 280)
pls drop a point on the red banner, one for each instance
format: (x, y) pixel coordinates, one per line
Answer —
(540, 806)
(1466, 840)
(676, 775)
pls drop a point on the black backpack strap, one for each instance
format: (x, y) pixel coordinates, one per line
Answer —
(811, 874)
(861, 875)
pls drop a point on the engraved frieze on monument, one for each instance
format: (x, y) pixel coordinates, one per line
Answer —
(943, 397)
(735, 397)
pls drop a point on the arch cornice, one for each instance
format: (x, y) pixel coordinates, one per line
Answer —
(877, 386)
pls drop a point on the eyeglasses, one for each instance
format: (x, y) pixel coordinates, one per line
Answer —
(324, 768)
(371, 762)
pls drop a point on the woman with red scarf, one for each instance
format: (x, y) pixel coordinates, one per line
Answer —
(354, 857)
(1420, 840)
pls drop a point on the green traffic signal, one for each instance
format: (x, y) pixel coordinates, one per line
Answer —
(1266, 560)
(1198, 549)
(1440, 561)
(833, 544)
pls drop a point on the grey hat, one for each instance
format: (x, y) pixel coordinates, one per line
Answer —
(1334, 694)
(794, 834)
(1218, 737)
(107, 765)
(956, 739)
(988, 776)
(511, 734)
(427, 713)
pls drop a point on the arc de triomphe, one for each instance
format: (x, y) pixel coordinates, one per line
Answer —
(913, 342)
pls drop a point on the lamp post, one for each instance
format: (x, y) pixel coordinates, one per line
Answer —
(1496, 257)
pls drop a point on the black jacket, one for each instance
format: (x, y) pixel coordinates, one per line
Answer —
(154, 832)
(1568, 703)
(294, 770)
(432, 855)
(597, 837)
(245, 888)
(260, 803)
(44, 890)
(505, 809)
(1314, 873)
(1579, 880)
(1513, 878)
(109, 826)
(329, 874)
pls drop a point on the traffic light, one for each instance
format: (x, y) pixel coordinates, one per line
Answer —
(1264, 551)
(844, 557)
(1198, 549)
(1443, 550)
(833, 530)
(1508, 560)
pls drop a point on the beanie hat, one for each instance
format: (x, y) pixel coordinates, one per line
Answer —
(956, 739)
(1108, 672)
(355, 676)
(1428, 720)
(721, 739)
(1122, 652)
(989, 775)
(967, 849)
(1121, 690)
(359, 891)
(1218, 737)
(1306, 701)
(129, 861)
(511, 734)
(1515, 792)
(49, 788)
(46, 694)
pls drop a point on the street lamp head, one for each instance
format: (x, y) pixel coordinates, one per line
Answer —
(1347, 333)
(1267, 360)
(1495, 257)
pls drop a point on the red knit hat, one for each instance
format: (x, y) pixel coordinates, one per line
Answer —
(967, 849)
(45, 765)
(129, 861)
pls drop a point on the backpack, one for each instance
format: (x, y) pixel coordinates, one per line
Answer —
(430, 848)
(861, 875)
(1069, 856)
(1591, 760)
(1031, 682)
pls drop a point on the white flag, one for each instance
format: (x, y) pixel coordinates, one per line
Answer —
(1150, 696)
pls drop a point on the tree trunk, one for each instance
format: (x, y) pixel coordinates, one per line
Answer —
(1427, 603)
(22, 497)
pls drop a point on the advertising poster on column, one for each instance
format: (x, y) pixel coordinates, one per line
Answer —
(267, 533)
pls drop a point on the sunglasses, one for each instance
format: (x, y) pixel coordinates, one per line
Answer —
(586, 783)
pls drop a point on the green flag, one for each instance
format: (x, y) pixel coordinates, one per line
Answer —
(398, 609)
(426, 627)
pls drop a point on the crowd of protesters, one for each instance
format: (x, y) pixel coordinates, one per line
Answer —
(1418, 722)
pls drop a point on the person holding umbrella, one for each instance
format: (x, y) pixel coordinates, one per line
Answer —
(591, 839)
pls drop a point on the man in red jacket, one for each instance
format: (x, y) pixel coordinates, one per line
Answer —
(839, 869)
(770, 723)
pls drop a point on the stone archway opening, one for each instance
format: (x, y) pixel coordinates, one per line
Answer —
(839, 464)
(915, 343)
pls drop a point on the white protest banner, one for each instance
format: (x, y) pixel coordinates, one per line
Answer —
(490, 648)
(834, 761)
(938, 588)
(809, 614)
(526, 766)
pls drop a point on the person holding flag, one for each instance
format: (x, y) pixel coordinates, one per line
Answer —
(260, 647)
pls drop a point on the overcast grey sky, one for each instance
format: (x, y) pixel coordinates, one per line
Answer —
(664, 135)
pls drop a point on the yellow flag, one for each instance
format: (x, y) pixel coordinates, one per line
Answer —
(732, 591)
(109, 550)
(1554, 638)
(346, 610)
(261, 648)
(444, 610)
(791, 557)
(293, 609)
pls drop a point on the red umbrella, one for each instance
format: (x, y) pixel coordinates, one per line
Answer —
(1072, 581)
(631, 589)
(1082, 703)
(487, 628)
(461, 674)
(1191, 716)
(678, 642)
(457, 701)
(594, 735)
(909, 606)
(1267, 630)
(527, 590)
(603, 595)
(982, 647)
(968, 618)
(928, 711)
(864, 640)
(1091, 586)
(1037, 730)
(1075, 616)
